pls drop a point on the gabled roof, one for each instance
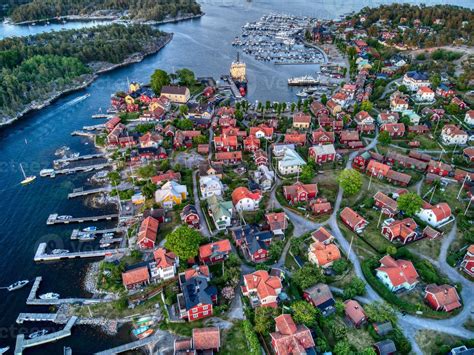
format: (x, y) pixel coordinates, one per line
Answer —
(445, 295)
(325, 253)
(242, 192)
(164, 258)
(354, 311)
(291, 158)
(402, 229)
(388, 202)
(206, 338)
(321, 235)
(289, 338)
(398, 271)
(135, 276)
(148, 229)
(263, 284)
(276, 221)
(319, 294)
(213, 249)
(351, 216)
(297, 187)
(197, 290)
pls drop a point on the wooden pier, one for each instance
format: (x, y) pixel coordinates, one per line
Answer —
(33, 301)
(94, 127)
(42, 256)
(86, 168)
(83, 134)
(36, 317)
(22, 343)
(76, 233)
(103, 115)
(80, 157)
(81, 192)
(53, 219)
(130, 346)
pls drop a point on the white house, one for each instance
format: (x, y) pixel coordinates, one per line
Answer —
(220, 212)
(425, 94)
(452, 134)
(210, 185)
(265, 177)
(291, 163)
(245, 200)
(280, 148)
(414, 80)
(469, 117)
(164, 266)
(397, 274)
(435, 215)
(364, 118)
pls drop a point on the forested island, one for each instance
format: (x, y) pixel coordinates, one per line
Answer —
(139, 10)
(37, 69)
(419, 25)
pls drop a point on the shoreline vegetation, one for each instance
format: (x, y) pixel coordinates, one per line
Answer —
(152, 41)
(144, 10)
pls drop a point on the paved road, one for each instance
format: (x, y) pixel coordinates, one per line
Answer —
(203, 225)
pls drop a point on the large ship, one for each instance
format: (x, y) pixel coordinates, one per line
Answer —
(238, 73)
(306, 80)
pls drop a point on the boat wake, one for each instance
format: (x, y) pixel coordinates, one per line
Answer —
(77, 100)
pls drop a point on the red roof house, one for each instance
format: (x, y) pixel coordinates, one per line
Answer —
(353, 220)
(299, 192)
(354, 313)
(147, 234)
(215, 252)
(262, 289)
(397, 274)
(290, 338)
(403, 231)
(442, 298)
(136, 278)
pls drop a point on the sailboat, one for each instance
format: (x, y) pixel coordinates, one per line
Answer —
(27, 179)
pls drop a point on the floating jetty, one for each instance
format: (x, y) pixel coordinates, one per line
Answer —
(86, 168)
(42, 256)
(36, 317)
(53, 219)
(82, 134)
(81, 192)
(79, 157)
(102, 115)
(22, 343)
(33, 301)
(131, 346)
(76, 233)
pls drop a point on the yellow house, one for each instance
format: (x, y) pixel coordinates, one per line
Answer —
(301, 120)
(134, 87)
(129, 100)
(176, 94)
(171, 194)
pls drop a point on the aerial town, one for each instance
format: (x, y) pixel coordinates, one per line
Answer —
(338, 223)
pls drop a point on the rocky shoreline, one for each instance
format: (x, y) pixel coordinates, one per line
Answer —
(89, 79)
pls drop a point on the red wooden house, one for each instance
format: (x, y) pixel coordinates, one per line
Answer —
(321, 136)
(226, 143)
(251, 144)
(190, 216)
(353, 220)
(442, 298)
(295, 138)
(394, 129)
(438, 168)
(299, 192)
(215, 252)
(147, 233)
(229, 158)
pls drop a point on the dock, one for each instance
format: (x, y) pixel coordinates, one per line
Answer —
(81, 192)
(53, 219)
(110, 241)
(233, 87)
(86, 168)
(102, 115)
(82, 134)
(80, 157)
(77, 232)
(42, 256)
(130, 346)
(94, 127)
(33, 301)
(22, 343)
(36, 317)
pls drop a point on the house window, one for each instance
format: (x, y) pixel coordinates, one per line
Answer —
(205, 313)
(194, 310)
(195, 316)
(205, 307)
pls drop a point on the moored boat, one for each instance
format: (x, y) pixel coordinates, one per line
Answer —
(139, 330)
(37, 334)
(59, 251)
(17, 285)
(49, 296)
(145, 334)
(90, 229)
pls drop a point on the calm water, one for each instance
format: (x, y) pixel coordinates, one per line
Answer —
(202, 45)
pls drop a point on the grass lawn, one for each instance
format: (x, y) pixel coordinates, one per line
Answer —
(290, 263)
(234, 340)
(371, 233)
(359, 338)
(182, 328)
(343, 280)
(427, 142)
(427, 247)
(430, 341)
(359, 246)
(327, 185)
(449, 195)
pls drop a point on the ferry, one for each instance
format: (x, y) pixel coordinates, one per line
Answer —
(37, 334)
(17, 285)
(49, 296)
(59, 251)
(145, 334)
(306, 80)
(90, 229)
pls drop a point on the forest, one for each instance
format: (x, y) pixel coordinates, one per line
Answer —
(35, 67)
(449, 23)
(155, 10)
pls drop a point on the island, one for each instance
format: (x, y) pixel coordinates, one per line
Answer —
(148, 10)
(37, 69)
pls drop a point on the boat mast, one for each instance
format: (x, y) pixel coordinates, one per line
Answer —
(23, 171)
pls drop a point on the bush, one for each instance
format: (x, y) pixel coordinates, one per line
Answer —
(252, 340)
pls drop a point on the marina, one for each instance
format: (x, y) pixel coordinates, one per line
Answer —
(22, 343)
(78, 158)
(76, 233)
(41, 254)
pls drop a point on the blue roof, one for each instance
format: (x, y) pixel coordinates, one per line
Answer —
(417, 75)
(197, 290)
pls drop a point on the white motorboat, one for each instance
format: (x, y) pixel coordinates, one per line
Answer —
(37, 334)
(4, 350)
(47, 172)
(64, 217)
(90, 229)
(86, 237)
(59, 251)
(302, 94)
(105, 245)
(17, 285)
(49, 296)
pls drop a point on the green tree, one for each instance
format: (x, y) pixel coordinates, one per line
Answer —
(343, 348)
(148, 190)
(391, 250)
(307, 174)
(304, 313)
(201, 139)
(369, 351)
(435, 80)
(453, 109)
(184, 242)
(356, 287)
(307, 276)
(384, 138)
(265, 319)
(324, 99)
(159, 79)
(147, 171)
(403, 89)
(380, 312)
(186, 77)
(183, 110)
(366, 106)
(338, 330)
(276, 248)
(351, 181)
(410, 203)
(184, 124)
(340, 265)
